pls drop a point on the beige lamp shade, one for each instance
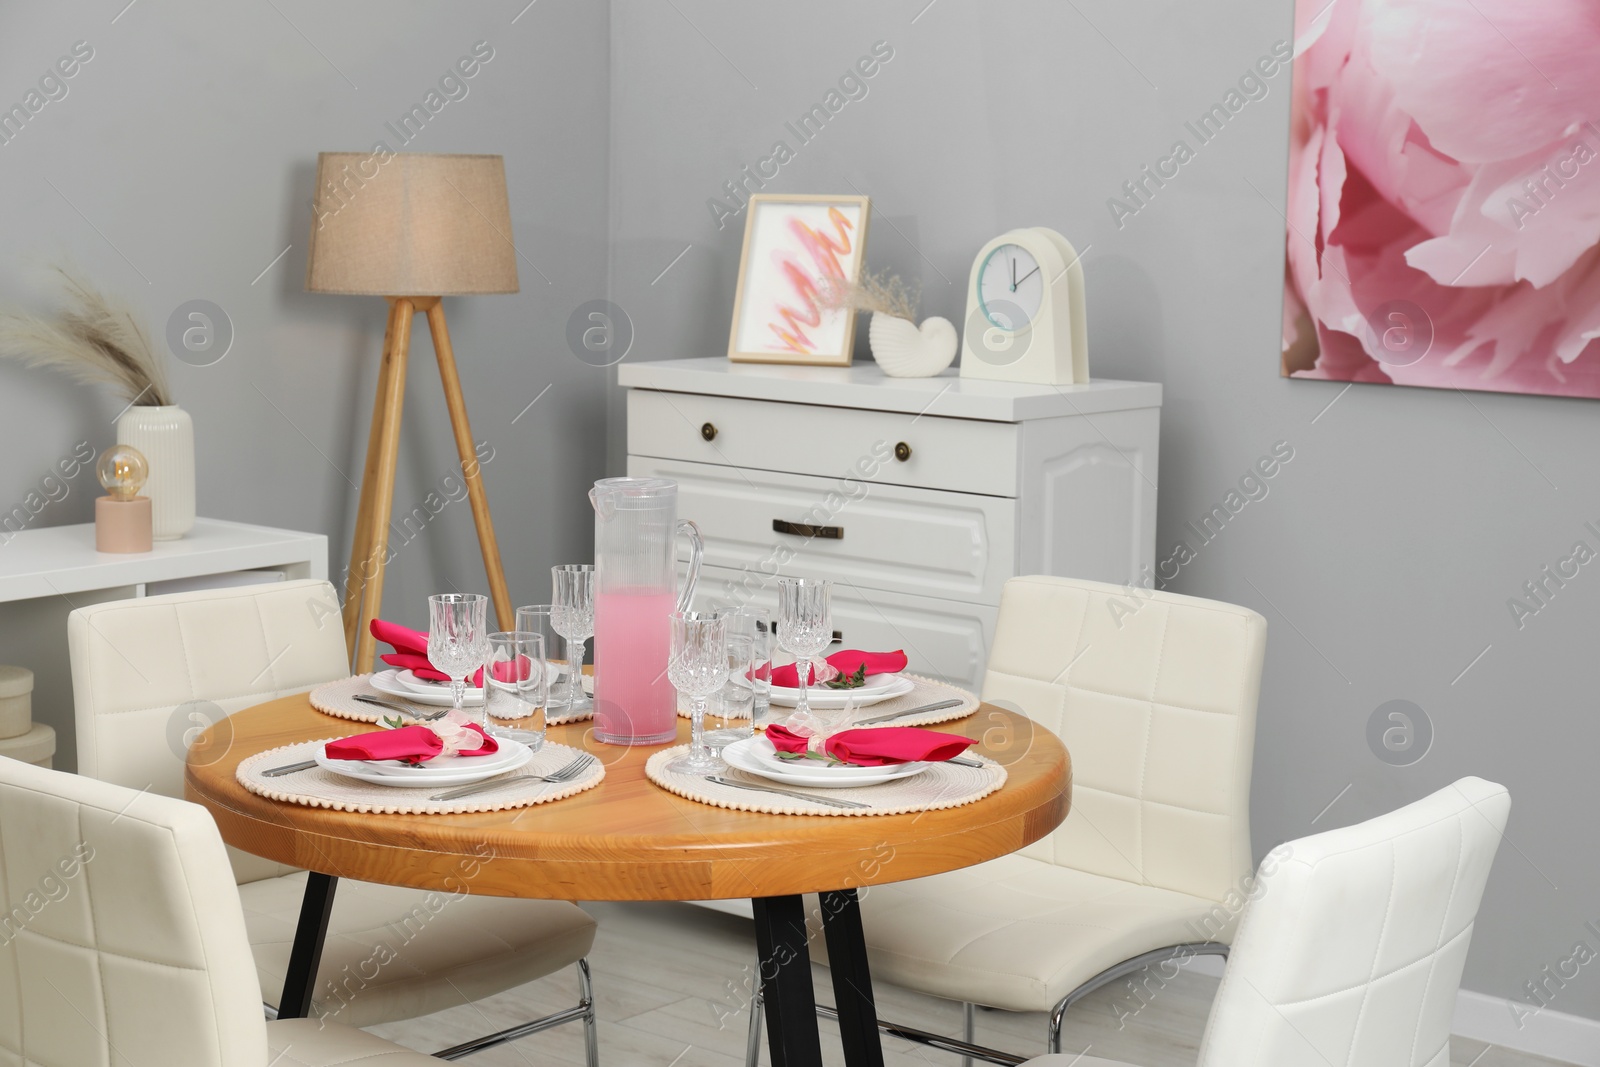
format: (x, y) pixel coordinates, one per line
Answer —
(411, 225)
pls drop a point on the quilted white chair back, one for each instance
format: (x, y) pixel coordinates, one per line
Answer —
(148, 675)
(1155, 697)
(122, 939)
(1351, 950)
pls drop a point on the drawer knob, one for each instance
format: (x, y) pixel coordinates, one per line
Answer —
(902, 451)
(709, 432)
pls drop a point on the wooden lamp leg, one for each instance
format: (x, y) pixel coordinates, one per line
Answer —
(380, 476)
(498, 592)
(358, 573)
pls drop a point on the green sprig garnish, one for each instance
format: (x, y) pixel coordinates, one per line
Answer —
(849, 681)
(830, 760)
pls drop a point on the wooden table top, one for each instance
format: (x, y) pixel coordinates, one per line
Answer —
(626, 839)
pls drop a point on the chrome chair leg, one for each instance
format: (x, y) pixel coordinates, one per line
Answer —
(591, 1021)
(1122, 970)
(969, 1028)
(752, 1042)
(583, 1010)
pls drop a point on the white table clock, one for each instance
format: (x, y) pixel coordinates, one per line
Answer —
(1025, 316)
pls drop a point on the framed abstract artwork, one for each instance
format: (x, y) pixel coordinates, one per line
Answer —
(1444, 195)
(797, 249)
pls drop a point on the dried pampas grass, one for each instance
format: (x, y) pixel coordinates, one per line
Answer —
(882, 293)
(91, 338)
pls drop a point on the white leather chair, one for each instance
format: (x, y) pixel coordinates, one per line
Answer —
(148, 673)
(1351, 948)
(122, 940)
(1155, 697)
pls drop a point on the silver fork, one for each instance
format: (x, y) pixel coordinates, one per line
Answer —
(410, 712)
(575, 769)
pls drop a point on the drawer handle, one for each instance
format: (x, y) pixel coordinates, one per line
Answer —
(902, 451)
(709, 432)
(806, 529)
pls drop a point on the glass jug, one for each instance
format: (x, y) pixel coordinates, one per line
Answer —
(636, 526)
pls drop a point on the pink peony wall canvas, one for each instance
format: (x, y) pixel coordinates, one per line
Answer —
(1444, 195)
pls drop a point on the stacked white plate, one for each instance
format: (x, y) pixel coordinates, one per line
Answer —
(878, 687)
(398, 683)
(757, 756)
(439, 772)
(407, 685)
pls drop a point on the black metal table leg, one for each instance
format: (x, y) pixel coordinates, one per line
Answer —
(852, 984)
(301, 980)
(784, 967)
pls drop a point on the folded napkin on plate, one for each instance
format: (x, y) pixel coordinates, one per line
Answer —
(845, 662)
(414, 744)
(880, 747)
(411, 654)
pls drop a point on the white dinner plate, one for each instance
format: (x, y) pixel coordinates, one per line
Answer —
(409, 679)
(437, 696)
(757, 756)
(439, 772)
(894, 685)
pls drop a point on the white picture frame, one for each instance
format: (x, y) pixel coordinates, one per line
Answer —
(793, 246)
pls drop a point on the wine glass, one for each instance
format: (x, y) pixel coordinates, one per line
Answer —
(698, 666)
(572, 615)
(805, 628)
(458, 638)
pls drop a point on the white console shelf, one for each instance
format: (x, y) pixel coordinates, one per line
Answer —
(61, 560)
(46, 573)
(919, 496)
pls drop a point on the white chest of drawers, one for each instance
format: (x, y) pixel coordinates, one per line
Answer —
(918, 496)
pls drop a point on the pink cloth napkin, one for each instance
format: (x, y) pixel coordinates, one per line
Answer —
(411, 654)
(846, 661)
(414, 744)
(878, 748)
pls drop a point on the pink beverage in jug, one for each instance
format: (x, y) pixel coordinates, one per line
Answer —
(634, 702)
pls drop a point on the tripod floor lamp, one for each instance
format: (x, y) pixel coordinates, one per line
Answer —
(411, 228)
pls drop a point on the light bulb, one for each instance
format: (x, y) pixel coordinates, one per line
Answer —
(123, 470)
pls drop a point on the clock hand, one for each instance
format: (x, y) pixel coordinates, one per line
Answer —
(1013, 275)
(1024, 278)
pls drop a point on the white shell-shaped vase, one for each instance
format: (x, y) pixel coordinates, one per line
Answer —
(905, 350)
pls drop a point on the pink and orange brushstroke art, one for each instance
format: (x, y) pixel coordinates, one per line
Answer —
(789, 323)
(1444, 195)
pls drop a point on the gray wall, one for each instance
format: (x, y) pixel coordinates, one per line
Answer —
(1383, 556)
(1387, 547)
(182, 160)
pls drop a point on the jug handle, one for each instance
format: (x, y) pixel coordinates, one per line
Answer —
(697, 547)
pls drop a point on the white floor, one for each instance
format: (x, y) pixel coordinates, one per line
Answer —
(672, 985)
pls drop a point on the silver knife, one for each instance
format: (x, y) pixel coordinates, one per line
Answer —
(938, 705)
(834, 801)
(289, 768)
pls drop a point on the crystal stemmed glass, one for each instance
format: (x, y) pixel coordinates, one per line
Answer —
(458, 638)
(572, 615)
(697, 666)
(805, 628)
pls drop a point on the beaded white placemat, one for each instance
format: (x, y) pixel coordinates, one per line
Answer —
(318, 788)
(924, 691)
(943, 785)
(339, 700)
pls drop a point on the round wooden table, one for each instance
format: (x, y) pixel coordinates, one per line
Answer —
(628, 839)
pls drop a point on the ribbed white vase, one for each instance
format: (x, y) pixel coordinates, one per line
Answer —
(165, 435)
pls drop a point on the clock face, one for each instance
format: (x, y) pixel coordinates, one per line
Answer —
(1010, 287)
